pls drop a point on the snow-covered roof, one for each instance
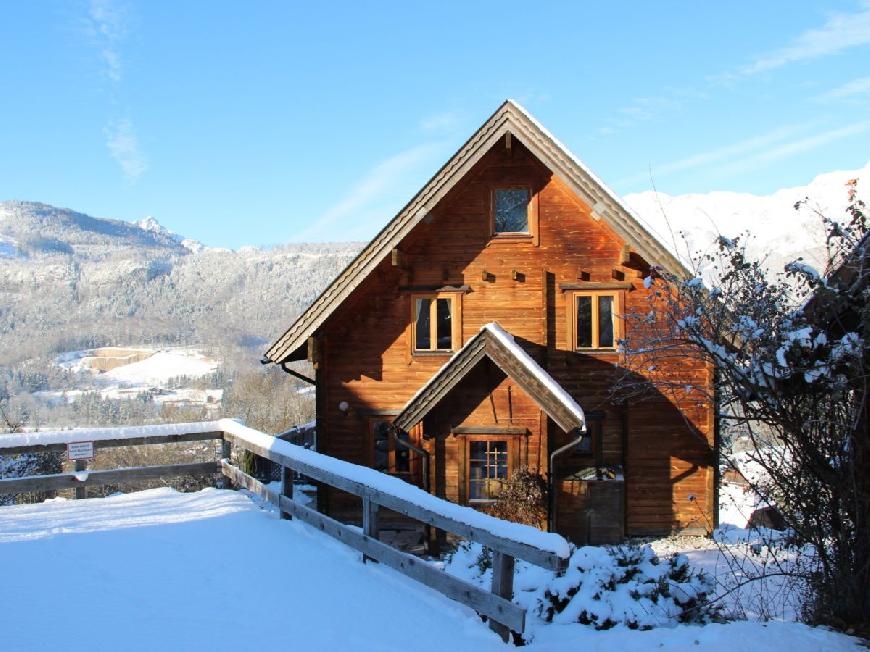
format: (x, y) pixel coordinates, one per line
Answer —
(535, 369)
(498, 345)
(510, 118)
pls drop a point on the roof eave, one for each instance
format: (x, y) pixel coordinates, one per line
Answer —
(509, 117)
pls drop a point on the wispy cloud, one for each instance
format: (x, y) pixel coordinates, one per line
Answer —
(752, 153)
(374, 199)
(446, 121)
(787, 150)
(124, 147)
(854, 88)
(637, 111)
(643, 109)
(707, 158)
(108, 27)
(840, 32)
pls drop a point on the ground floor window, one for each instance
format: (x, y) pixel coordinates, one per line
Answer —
(488, 468)
(389, 456)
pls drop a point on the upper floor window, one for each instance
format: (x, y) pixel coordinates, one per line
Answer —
(594, 323)
(436, 322)
(511, 210)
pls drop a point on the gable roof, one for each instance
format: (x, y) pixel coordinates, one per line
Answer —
(499, 346)
(509, 118)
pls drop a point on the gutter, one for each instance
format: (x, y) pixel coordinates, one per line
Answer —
(551, 484)
(292, 372)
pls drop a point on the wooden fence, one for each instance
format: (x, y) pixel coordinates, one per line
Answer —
(495, 604)
(82, 478)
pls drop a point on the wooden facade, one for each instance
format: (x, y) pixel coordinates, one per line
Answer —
(368, 366)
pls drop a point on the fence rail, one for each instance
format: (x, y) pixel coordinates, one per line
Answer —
(82, 477)
(507, 541)
(112, 476)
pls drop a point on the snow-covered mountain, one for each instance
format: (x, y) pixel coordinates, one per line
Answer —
(8, 247)
(71, 281)
(779, 233)
(152, 225)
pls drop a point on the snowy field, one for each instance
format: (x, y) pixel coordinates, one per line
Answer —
(161, 570)
(126, 373)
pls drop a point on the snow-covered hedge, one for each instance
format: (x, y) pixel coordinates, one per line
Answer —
(603, 587)
(628, 585)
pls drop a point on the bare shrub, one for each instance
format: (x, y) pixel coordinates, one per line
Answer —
(523, 499)
(792, 355)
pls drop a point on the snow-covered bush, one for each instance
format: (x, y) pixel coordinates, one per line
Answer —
(628, 585)
(603, 587)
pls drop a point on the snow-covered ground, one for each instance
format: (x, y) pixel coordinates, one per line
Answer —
(139, 366)
(161, 570)
(119, 373)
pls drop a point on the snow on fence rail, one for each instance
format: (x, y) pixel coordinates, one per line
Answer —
(48, 440)
(52, 441)
(508, 541)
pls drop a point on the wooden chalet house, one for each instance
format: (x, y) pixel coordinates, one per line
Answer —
(483, 322)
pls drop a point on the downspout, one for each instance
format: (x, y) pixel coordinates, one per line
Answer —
(394, 433)
(551, 493)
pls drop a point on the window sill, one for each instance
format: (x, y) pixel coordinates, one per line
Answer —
(597, 351)
(511, 237)
(432, 354)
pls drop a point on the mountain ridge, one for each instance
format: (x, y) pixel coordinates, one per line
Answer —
(690, 223)
(70, 280)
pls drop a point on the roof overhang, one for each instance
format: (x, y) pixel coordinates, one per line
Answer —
(509, 118)
(498, 345)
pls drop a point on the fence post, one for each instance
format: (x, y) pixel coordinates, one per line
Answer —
(81, 492)
(286, 487)
(226, 452)
(370, 521)
(502, 586)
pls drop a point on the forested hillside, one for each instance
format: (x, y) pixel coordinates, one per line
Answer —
(71, 281)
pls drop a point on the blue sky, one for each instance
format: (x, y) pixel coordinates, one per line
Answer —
(262, 123)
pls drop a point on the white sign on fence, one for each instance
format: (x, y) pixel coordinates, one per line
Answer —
(80, 450)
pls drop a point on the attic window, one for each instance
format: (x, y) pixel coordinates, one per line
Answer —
(511, 211)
